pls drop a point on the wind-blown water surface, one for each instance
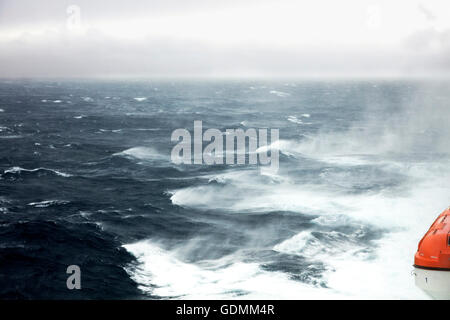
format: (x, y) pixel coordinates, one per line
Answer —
(86, 179)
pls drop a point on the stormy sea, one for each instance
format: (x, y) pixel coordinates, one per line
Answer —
(86, 179)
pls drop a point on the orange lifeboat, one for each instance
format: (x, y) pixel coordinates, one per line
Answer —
(432, 259)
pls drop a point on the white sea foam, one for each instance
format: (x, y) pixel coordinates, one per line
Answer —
(142, 153)
(140, 99)
(325, 151)
(111, 130)
(85, 214)
(406, 214)
(280, 93)
(165, 273)
(145, 129)
(19, 170)
(47, 203)
(294, 119)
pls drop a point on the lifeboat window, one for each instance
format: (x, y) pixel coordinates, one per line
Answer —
(448, 239)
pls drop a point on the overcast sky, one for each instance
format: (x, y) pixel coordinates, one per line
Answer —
(224, 38)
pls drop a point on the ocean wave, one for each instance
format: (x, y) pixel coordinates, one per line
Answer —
(19, 170)
(355, 270)
(142, 153)
(280, 93)
(165, 273)
(254, 190)
(47, 203)
(145, 129)
(322, 245)
(402, 214)
(294, 119)
(111, 130)
(324, 151)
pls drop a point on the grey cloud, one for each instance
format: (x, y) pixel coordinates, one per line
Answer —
(97, 55)
(19, 12)
(429, 15)
(62, 54)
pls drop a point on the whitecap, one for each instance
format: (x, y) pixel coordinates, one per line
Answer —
(110, 130)
(15, 170)
(47, 203)
(140, 99)
(142, 153)
(333, 244)
(294, 119)
(85, 214)
(280, 93)
(146, 129)
(166, 274)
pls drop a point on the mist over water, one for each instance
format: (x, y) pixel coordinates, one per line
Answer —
(363, 173)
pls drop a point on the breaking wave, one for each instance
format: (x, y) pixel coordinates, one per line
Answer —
(164, 273)
(47, 203)
(18, 170)
(142, 153)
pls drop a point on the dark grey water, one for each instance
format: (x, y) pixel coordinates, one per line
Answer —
(86, 179)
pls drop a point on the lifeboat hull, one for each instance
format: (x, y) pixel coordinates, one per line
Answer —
(435, 283)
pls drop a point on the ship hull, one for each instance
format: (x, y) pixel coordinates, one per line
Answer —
(434, 282)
